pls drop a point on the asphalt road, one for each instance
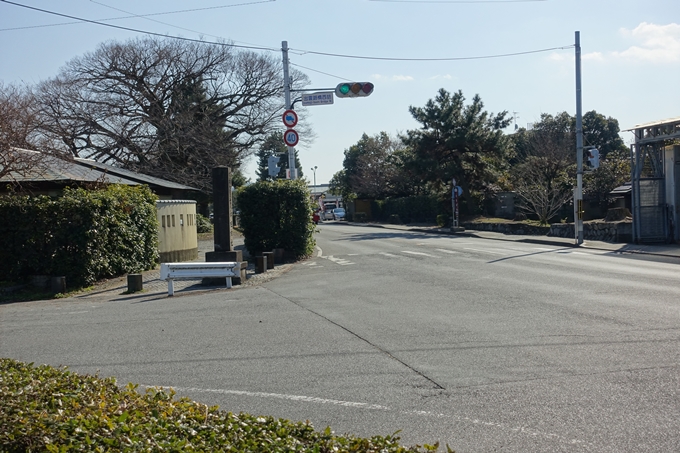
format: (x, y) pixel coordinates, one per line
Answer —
(485, 345)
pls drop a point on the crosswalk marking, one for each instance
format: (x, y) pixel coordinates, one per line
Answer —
(418, 253)
(485, 251)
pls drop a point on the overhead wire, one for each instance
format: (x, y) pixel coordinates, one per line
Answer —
(120, 27)
(141, 15)
(298, 51)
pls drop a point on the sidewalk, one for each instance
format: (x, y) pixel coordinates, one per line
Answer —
(665, 250)
(153, 287)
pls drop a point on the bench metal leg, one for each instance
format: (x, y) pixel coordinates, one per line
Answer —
(171, 287)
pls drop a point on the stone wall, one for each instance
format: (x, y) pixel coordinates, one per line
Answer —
(508, 228)
(592, 230)
(596, 231)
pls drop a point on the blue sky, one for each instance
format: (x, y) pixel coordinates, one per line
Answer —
(630, 51)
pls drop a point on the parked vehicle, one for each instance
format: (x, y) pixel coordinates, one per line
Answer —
(338, 214)
(327, 215)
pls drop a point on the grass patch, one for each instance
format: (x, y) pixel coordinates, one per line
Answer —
(48, 409)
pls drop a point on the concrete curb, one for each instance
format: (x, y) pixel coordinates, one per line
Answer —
(667, 250)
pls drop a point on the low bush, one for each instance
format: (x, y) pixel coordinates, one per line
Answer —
(47, 409)
(203, 224)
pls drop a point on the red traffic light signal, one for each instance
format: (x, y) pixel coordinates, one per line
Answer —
(353, 89)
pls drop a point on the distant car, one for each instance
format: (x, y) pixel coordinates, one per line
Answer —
(327, 215)
(338, 214)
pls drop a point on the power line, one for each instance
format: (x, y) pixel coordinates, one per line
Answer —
(360, 57)
(119, 27)
(141, 15)
(457, 1)
(302, 52)
(317, 71)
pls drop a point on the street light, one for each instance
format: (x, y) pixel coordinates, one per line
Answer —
(314, 170)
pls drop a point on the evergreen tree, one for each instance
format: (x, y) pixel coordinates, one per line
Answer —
(274, 145)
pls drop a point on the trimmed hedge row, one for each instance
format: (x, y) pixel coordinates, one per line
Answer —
(415, 209)
(83, 235)
(48, 409)
(277, 214)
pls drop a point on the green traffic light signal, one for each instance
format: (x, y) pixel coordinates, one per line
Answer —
(354, 89)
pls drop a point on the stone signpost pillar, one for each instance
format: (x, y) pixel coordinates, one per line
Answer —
(222, 218)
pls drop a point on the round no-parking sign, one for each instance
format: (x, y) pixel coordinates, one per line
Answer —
(291, 137)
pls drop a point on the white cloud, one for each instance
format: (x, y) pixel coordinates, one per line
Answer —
(655, 43)
(396, 78)
(593, 56)
(444, 77)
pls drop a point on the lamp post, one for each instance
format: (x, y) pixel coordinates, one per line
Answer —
(314, 170)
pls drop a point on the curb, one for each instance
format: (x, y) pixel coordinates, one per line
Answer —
(557, 242)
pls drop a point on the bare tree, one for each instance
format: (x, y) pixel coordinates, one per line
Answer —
(17, 131)
(542, 181)
(170, 108)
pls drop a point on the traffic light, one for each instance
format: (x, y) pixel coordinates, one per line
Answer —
(271, 165)
(353, 89)
(593, 158)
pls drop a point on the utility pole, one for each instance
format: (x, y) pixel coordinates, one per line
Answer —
(578, 192)
(286, 93)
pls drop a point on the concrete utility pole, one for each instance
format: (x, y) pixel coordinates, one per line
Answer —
(286, 93)
(578, 192)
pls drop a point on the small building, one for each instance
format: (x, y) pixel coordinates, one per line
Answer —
(177, 231)
(655, 181)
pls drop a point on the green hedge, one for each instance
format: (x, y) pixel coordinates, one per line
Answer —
(416, 209)
(54, 410)
(83, 235)
(277, 214)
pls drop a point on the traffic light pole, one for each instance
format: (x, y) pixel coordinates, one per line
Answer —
(578, 193)
(286, 93)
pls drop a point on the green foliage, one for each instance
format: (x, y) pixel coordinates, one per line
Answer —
(417, 209)
(203, 224)
(458, 140)
(442, 220)
(271, 146)
(277, 214)
(55, 410)
(83, 235)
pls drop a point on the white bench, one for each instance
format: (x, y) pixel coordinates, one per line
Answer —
(196, 270)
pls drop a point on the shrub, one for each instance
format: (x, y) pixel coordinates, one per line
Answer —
(277, 214)
(48, 409)
(442, 220)
(360, 217)
(83, 235)
(423, 208)
(203, 224)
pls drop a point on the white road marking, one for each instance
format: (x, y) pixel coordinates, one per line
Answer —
(340, 261)
(446, 251)
(319, 251)
(485, 251)
(418, 253)
(368, 406)
(388, 254)
(542, 249)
